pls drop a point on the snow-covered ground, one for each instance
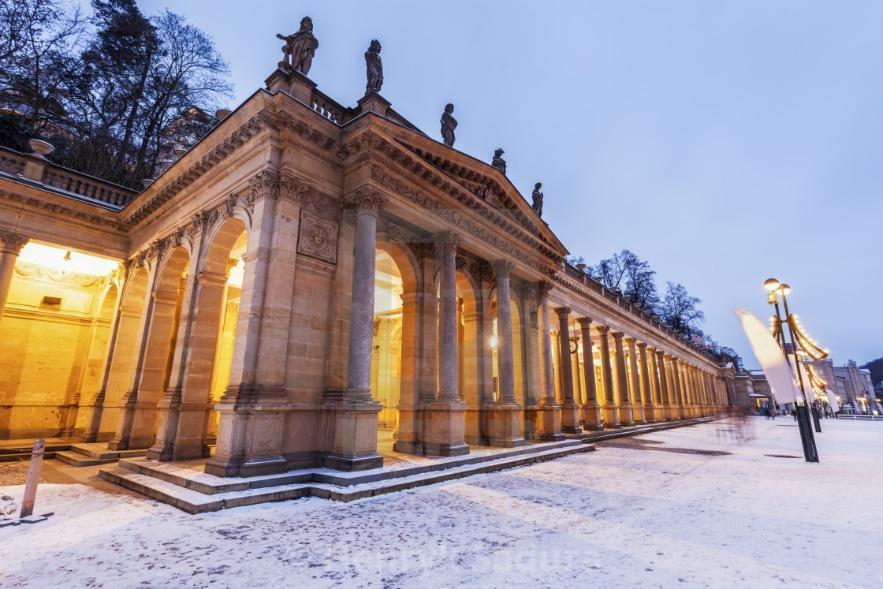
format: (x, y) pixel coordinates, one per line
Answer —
(638, 512)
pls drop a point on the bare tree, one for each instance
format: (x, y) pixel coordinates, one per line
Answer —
(680, 310)
(632, 276)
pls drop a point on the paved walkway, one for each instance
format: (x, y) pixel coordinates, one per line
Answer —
(688, 507)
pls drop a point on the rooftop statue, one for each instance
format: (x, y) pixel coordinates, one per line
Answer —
(537, 195)
(498, 162)
(374, 66)
(448, 124)
(299, 48)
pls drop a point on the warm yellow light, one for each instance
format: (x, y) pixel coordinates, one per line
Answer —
(771, 284)
(785, 288)
(493, 342)
(237, 275)
(65, 260)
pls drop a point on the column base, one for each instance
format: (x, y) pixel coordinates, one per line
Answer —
(444, 428)
(547, 423)
(503, 425)
(625, 415)
(638, 414)
(611, 417)
(352, 444)
(593, 417)
(570, 418)
(650, 414)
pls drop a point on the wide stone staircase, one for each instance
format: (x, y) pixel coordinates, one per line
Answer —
(94, 454)
(189, 488)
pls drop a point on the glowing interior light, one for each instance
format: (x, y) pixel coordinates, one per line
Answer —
(493, 342)
(65, 260)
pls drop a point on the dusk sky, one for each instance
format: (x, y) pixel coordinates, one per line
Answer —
(722, 142)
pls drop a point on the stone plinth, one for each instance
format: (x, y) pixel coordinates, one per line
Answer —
(504, 425)
(444, 429)
(593, 417)
(546, 421)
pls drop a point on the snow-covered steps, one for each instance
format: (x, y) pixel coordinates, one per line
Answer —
(195, 491)
(94, 454)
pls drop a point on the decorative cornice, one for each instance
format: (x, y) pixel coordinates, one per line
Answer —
(30, 270)
(454, 217)
(63, 212)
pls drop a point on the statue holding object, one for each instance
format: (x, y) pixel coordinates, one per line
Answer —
(299, 48)
(537, 195)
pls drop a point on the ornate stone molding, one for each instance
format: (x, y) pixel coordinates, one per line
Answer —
(502, 268)
(11, 243)
(317, 237)
(36, 271)
(366, 199)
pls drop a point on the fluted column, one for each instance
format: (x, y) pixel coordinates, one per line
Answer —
(611, 410)
(591, 410)
(646, 390)
(569, 409)
(621, 384)
(634, 383)
(547, 417)
(10, 246)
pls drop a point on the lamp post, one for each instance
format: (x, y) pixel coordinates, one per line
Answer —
(776, 288)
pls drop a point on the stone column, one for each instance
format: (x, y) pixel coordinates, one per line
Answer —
(591, 410)
(505, 418)
(664, 362)
(655, 359)
(354, 445)
(530, 336)
(611, 410)
(679, 396)
(444, 417)
(569, 409)
(548, 416)
(646, 391)
(621, 384)
(635, 383)
(10, 246)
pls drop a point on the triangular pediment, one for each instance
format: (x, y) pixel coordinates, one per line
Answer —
(487, 184)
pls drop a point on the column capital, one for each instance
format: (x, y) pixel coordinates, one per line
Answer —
(544, 287)
(366, 200)
(447, 238)
(617, 335)
(603, 329)
(585, 322)
(630, 340)
(563, 312)
(502, 268)
(11, 243)
(642, 345)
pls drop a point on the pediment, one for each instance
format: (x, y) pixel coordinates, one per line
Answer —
(486, 183)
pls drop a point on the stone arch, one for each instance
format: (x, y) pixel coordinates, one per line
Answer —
(133, 300)
(395, 366)
(470, 351)
(152, 373)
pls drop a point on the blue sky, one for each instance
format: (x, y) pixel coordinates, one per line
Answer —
(722, 142)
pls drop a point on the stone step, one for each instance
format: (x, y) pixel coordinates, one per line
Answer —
(609, 434)
(78, 459)
(102, 452)
(179, 491)
(16, 456)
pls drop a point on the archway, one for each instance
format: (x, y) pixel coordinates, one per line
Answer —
(126, 347)
(387, 345)
(469, 352)
(211, 356)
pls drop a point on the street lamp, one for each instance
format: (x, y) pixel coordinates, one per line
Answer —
(775, 288)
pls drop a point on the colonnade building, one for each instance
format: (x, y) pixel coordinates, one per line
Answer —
(314, 285)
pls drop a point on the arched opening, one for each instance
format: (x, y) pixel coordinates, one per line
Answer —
(217, 320)
(126, 347)
(159, 342)
(470, 349)
(90, 406)
(386, 359)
